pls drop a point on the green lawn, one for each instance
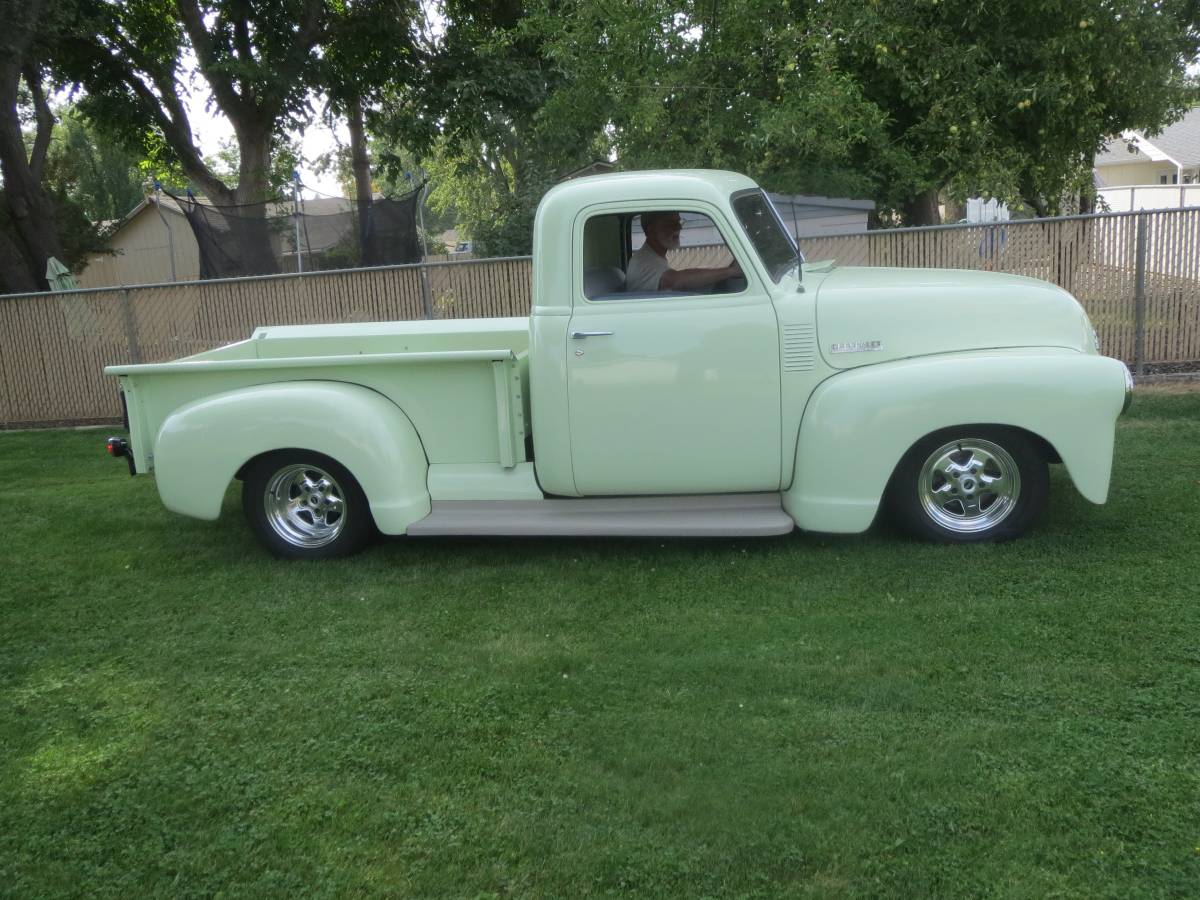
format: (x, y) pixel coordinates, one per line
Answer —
(803, 716)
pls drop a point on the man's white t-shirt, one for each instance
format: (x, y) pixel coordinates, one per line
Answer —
(645, 269)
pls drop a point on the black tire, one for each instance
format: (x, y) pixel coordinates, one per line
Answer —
(969, 484)
(304, 505)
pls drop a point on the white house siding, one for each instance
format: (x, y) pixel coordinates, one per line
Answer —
(1133, 173)
(1168, 196)
(143, 253)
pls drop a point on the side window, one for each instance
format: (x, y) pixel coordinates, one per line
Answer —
(669, 253)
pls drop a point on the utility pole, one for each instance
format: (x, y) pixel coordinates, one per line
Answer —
(166, 225)
(426, 291)
(296, 217)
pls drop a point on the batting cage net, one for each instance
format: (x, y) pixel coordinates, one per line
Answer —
(283, 235)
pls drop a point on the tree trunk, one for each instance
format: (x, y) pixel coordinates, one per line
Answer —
(1087, 196)
(1032, 198)
(361, 164)
(16, 274)
(922, 209)
(30, 209)
(248, 219)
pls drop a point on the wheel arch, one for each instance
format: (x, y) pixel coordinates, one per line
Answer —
(1044, 448)
(204, 445)
(859, 424)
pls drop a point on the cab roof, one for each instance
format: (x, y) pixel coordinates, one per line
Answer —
(713, 185)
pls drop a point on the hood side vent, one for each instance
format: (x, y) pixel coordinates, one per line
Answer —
(799, 347)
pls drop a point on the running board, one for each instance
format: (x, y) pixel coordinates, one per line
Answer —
(709, 515)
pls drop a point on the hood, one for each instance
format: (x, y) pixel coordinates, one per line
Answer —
(872, 315)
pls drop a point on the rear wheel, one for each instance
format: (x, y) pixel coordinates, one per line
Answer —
(303, 505)
(969, 484)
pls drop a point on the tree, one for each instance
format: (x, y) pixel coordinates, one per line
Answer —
(260, 64)
(225, 164)
(893, 99)
(368, 51)
(30, 236)
(101, 177)
(718, 85)
(478, 118)
(1014, 98)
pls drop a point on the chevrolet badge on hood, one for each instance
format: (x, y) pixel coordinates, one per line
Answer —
(856, 347)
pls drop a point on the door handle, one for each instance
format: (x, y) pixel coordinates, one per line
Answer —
(580, 335)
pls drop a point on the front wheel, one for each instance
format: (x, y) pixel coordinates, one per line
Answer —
(303, 505)
(969, 484)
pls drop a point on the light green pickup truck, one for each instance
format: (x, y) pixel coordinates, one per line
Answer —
(784, 395)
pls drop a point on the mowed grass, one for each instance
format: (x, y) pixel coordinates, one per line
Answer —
(808, 716)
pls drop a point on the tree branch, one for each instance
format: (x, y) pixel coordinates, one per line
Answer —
(311, 27)
(241, 38)
(45, 120)
(164, 108)
(230, 101)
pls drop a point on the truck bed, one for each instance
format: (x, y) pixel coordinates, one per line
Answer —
(462, 383)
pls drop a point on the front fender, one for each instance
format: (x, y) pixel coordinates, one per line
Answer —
(858, 424)
(202, 445)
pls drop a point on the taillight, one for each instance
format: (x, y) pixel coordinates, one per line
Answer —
(118, 447)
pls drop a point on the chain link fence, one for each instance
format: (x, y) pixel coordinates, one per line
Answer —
(1137, 274)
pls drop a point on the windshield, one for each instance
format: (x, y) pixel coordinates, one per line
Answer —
(775, 246)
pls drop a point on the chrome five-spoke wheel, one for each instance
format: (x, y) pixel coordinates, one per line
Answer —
(304, 505)
(971, 483)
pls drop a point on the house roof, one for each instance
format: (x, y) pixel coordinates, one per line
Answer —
(1118, 152)
(808, 200)
(1178, 143)
(596, 167)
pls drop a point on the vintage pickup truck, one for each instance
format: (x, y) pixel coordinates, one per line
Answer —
(787, 395)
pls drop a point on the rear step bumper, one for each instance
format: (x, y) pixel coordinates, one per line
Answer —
(710, 515)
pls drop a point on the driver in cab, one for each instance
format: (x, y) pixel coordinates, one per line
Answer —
(648, 268)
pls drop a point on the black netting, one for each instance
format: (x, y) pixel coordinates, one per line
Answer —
(325, 233)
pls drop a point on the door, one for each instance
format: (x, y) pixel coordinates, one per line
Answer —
(676, 393)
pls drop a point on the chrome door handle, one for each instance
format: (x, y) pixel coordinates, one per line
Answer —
(580, 335)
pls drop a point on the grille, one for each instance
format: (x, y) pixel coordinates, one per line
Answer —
(799, 347)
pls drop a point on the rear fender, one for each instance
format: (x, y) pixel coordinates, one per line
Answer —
(203, 444)
(858, 424)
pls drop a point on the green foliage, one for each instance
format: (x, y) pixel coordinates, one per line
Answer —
(1010, 99)
(101, 177)
(479, 120)
(891, 99)
(369, 48)
(285, 158)
(258, 64)
(804, 716)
